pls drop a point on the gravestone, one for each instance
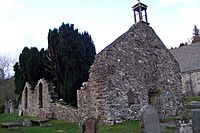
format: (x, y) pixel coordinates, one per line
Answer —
(89, 126)
(149, 120)
(196, 121)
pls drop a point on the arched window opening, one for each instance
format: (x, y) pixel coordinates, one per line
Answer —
(40, 95)
(26, 98)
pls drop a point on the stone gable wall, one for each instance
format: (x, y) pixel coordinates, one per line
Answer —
(138, 62)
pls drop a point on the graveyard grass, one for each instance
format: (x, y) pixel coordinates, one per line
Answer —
(191, 98)
(63, 127)
(57, 126)
(125, 127)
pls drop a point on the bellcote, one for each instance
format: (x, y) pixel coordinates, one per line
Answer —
(140, 12)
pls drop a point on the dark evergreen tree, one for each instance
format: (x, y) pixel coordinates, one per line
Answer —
(196, 31)
(65, 63)
(19, 79)
(29, 69)
(33, 66)
(70, 55)
(196, 34)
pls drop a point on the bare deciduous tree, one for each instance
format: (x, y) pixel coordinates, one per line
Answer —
(6, 64)
(7, 88)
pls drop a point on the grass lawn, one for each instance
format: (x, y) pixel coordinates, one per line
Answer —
(10, 117)
(64, 127)
(191, 98)
(57, 126)
(125, 127)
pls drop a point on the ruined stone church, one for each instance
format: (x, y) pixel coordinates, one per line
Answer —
(133, 71)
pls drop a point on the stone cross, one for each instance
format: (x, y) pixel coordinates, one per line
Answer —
(150, 121)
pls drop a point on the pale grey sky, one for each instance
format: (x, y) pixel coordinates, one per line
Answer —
(26, 22)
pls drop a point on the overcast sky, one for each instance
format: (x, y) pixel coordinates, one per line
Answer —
(27, 22)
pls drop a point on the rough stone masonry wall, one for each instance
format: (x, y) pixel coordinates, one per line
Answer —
(61, 112)
(32, 100)
(92, 98)
(191, 82)
(136, 62)
(64, 112)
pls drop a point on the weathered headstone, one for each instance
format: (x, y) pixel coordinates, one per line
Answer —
(149, 120)
(89, 126)
(196, 121)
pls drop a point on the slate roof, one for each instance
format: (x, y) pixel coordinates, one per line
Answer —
(188, 57)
